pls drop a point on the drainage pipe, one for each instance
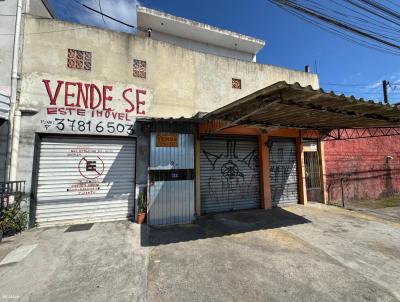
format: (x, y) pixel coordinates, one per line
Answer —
(13, 135)
(342, 191)
(15, 145)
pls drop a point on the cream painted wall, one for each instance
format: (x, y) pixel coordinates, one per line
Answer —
(200, 46)
(180, 82)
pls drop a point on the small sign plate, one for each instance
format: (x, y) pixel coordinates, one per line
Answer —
(167, 140)
(310, 147)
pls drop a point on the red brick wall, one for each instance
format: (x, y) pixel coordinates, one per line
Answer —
(363, 165)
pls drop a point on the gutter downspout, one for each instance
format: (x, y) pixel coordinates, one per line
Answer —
(15, 116)
(15, 145)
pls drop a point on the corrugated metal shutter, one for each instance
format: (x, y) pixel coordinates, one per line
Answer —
(4, 106)
(172, 182)
(229, 174)
(283, 171)
(85, 180)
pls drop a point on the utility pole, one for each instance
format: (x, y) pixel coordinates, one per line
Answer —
(385, 94)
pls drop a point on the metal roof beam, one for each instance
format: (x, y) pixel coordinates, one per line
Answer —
(348, 134)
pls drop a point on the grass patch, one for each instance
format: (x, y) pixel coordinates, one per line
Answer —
(384, 202)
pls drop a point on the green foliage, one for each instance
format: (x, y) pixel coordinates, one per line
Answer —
(142, 202)
(13, 219)
(383, 202)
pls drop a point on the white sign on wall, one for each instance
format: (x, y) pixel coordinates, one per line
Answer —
(88, 108)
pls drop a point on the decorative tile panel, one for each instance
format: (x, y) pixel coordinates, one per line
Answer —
(237, 83)
(139, 68)
(79, 59)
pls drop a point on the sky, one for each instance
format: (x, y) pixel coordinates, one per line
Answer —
(342, 66)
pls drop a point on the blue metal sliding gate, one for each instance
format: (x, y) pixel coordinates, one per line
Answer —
(171, 179)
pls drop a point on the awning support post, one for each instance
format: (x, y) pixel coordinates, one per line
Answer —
(324, 191)
(264, 172)
(301, 173)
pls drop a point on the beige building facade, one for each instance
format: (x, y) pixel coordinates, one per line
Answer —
(84, 89)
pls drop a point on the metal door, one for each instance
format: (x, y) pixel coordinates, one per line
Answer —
(313, 176)
(85, 180)
(229, 174)
(171, 179)
(283, 171)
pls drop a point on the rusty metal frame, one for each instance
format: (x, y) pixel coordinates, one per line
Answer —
(348, 134)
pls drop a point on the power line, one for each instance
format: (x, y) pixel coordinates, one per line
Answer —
(28, 14)
(372, 12)
(337, 23)
(352, 85)
(103, 14)
(342, 35)
(45, 32)
(393, 3)
(364, 22)
(101, 11)
(383, 8)
(361, 91)
(71, 29)
(356, 92)
(366, 18)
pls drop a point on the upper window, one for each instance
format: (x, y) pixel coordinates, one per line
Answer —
(79, 59)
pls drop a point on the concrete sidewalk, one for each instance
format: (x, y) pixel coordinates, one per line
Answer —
(387, 208)
(296, 253)
(368, 245)
(389, 213)
(105, 263)
(312, 253)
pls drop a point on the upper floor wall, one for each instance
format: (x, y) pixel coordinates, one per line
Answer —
(39, 8)
(132, 74)
(200, 46)
(8, 9)
(196, 36)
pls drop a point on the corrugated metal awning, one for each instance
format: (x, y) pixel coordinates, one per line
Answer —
(294, 106)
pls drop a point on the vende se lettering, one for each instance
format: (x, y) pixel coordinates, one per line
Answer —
(91, 96)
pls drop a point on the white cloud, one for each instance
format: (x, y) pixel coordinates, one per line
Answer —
(394, 78)
(375, 85)
(352, 77)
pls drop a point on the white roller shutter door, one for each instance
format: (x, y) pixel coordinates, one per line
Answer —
(229, 174)
(283, 171)
(85, 180)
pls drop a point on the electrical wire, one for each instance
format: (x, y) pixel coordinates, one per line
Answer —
(342, 35)
(45, 32)
(103, 14)
(342, 25)
(393, 3)
(364, 22)
(101, 11)
(78, 28)
(340, 84)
